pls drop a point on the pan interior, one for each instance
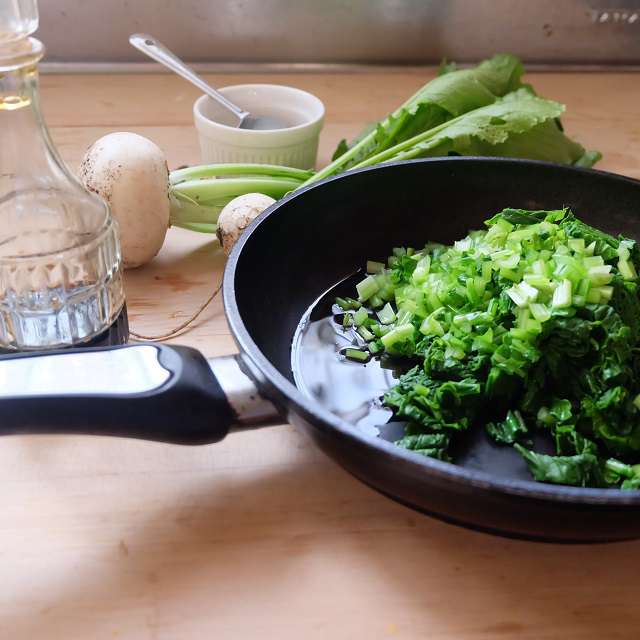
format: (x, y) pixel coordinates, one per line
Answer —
(295, 260)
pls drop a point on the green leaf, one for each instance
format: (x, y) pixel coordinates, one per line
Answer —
(588, 159)
(546, 142)
(569, 442)
(432, 445)
(509, 430)
(432, 403)
(560, 411)
(446, 66)
(443, 98)
(616, 472)
(581, 470)
(606, 244)
(518, 125)
(524, 216)
(500, 74)
(479, 131)
(342, 147)
(424, 441)
(402, 270)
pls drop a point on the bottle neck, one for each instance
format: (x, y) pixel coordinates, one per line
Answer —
(26, 149)
(37, 191)
(19, 73)
(19, 88)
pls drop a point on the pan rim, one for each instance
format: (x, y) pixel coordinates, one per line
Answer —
(312, 410)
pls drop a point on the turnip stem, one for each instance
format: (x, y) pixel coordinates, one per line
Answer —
(392, 152)
(244, 170)
(336, 165)
(216, 190)
(201, 227)
(196, 204)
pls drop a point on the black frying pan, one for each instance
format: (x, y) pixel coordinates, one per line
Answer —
(288, 260)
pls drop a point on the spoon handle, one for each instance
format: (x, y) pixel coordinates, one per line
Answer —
(156, 50)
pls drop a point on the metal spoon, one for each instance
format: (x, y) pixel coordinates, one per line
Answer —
(156, 50)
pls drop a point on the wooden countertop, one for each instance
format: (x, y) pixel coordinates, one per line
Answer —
(261, 536)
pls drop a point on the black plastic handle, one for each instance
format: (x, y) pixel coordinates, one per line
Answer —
(148, 391)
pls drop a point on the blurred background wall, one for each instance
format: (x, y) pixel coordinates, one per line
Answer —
(345, 31)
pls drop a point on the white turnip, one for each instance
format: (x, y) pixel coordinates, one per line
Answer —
(130, 172)
(237, 215)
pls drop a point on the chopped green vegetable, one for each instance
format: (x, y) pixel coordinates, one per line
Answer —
(375, 267)
(386, 314)
(509, 430)
(432, 445)
(530, 324)
(360, 316)
(356, 354)
(365, 333)
(344, 303)
(581, 470)
(367, 288)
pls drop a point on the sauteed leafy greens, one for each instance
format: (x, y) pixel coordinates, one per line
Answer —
(530, 324)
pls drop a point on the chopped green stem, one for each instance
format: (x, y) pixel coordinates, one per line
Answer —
(367, 288)
(386, 314)
(374, 267)
(357, 355)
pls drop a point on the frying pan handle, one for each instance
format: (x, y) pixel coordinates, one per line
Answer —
(149, 391)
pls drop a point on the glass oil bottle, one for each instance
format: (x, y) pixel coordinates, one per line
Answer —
(60, 263)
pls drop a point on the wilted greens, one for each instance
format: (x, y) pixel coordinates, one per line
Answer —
(530, 324)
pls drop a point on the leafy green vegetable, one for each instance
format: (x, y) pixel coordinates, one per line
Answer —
(447, 96)
(484, 111)
(439, 405)
(433, 445)
(509, 430)
(447, 66)
(531, 323)
(519, 124)
(581, 470)
(403, 269)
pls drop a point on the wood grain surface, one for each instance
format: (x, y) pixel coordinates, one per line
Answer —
(261, 536)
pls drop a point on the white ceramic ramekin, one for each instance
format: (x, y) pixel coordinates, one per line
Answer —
(293, 146)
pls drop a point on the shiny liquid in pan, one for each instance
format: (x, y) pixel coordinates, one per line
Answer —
(353, 391)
